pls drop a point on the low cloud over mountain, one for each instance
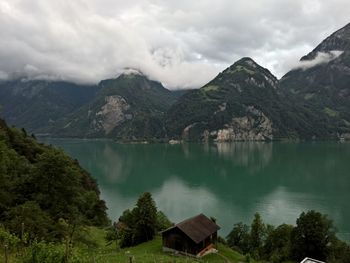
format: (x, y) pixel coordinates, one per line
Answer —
(181, 43)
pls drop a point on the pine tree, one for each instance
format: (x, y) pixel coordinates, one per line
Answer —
(257, 232)
(146, 218)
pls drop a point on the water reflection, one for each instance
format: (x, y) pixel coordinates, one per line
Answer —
(282, 205)
(228, 181)
(249, 154)
(189, 200)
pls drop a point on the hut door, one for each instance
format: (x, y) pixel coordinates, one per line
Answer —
(178, 244)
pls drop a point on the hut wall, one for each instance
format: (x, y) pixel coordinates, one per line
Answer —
(177, 240)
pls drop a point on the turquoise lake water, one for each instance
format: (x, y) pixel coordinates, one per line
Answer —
(227, 181)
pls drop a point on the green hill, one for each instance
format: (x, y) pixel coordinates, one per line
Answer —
(37, 104)
(129, 107)
(246, 102)
(42, 190)
(150, 252)
(241, 104)
(321, 84)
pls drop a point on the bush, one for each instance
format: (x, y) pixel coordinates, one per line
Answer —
(7, 239)
(42, 252)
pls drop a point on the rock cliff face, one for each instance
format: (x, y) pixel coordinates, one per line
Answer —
(254, 127)
(344, 136)
(111, 115)
(130, 107)
(238, 105)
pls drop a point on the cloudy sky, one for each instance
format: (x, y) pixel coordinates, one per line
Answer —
(180, 43)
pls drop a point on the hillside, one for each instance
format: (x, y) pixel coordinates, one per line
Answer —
(101, 252)
(152, 252)
(129, 107)
(41, 188)
(241, 104)
(321, 84)
(37, 104)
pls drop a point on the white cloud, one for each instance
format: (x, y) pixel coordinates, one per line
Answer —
(3, 75)
(180, 43)
(321, 58)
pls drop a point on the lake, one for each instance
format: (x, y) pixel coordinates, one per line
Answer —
(230, 182)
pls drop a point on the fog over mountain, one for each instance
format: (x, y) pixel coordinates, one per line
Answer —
(181, 43)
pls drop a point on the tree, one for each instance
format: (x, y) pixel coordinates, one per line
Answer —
(145, 218)
(163, 221)
(30, 219)
(277, 244)
(126, 236)
(339, 252)
(128, 217)
(55, 184)
(239, 237)
(312, 236)
(257, 233)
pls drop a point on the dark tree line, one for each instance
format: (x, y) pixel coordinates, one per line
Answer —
(40, 186)
(313, 236)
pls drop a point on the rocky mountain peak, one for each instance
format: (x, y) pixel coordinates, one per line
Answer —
(338, 41)
(132, 72)
(246, 69)
(130, 76)
(245, 63)
(343, 33)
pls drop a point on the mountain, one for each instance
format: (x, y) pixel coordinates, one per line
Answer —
(37, 104)
(179, 92)
(244, 102)
(130, 107)
(241, 103)
(321, 84)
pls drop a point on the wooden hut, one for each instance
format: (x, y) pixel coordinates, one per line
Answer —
(195, 236)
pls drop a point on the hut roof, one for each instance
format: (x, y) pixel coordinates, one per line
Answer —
(197, 228)
(121, 225)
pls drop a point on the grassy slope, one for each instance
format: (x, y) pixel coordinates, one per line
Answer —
(151, 252)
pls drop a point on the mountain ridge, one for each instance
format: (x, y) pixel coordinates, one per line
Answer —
(230, 107)
(243, 102)
(130, 106)
(339, 40)
(324, 87)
